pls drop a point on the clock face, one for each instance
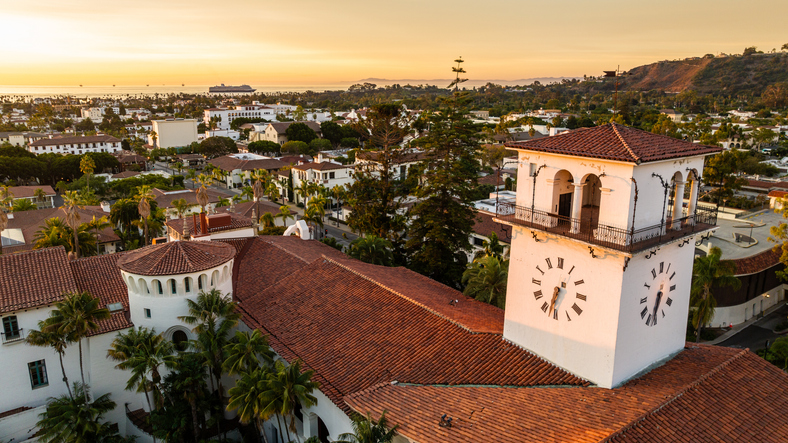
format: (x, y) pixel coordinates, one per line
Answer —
(656, 299)
(558, 290)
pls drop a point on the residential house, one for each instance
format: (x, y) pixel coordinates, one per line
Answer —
(275, 132)
(29, 193)
(76, 145)
(324, 173)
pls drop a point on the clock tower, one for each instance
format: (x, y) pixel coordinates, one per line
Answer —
(602, 249)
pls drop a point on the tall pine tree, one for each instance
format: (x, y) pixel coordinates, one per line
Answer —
(443, 219)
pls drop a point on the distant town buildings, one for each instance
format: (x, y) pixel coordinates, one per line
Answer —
(76, 144)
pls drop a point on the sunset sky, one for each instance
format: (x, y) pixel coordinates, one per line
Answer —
(101, 42)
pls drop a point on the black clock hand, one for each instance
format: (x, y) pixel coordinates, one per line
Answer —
(656, 306)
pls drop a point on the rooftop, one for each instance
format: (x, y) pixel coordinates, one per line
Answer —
(35, 278)
(172, 258)
(615, 142)
(73, 140)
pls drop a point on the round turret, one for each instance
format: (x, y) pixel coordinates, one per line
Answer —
(161, 278)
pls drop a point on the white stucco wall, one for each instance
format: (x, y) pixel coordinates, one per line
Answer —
(733, 315)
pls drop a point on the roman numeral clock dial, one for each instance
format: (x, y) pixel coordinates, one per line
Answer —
(558, 291)
(656, 298)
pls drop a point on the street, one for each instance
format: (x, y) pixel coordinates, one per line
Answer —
(755, 335)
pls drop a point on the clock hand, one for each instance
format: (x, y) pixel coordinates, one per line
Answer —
(656, 306)
(556, 290)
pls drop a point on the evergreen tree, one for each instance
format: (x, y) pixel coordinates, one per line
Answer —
(443, 219)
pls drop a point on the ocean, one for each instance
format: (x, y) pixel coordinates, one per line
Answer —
(130, 91)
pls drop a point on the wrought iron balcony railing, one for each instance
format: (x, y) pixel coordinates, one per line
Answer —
(626, 240)
(13, 337)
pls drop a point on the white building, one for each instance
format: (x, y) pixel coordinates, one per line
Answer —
(238, 168)
(75, 145)
(276, 132)
(173, 133)
(225, 116)
(324, 173)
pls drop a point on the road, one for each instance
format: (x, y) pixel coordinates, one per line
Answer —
(756, 335)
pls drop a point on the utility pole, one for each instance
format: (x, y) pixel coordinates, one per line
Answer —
(615, 74)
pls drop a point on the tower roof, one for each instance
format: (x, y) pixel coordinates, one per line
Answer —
(176, 258)
(615, 142)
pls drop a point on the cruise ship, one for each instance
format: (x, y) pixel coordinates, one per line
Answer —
(225, 89)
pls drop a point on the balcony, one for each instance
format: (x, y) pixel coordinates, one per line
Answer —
(620, 239)
(15, 336)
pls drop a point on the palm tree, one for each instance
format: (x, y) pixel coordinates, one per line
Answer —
(304, 191)
(178, 166)
(314, 216)
(191, 174)
(245, 351)
(250, 396)
(267, 219)
(6, 198)
(490, 248)
(181, 206)
(53, 340)
(273, 192)
(143, 352)
(372, 249)
(191, 381)
(708, 273)
(202, 193)
(223, 201)
(144, 196)
(56, 233)
(293, 388)
(71, 208)
(284, 214)
(87, 166)
(75, 317)
(24, 204)
(96, 225)
(214, 316)
(75, 418)
(248, 193)
(366, 430)
(485, 280)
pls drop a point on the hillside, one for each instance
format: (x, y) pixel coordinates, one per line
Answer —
(718, 75)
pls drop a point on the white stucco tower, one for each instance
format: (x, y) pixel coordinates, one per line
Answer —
(161, 278)
(601, 256)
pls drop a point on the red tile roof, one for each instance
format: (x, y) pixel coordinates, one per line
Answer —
(165, 198)
(349, 322)
(615, 142)
(245, 208)
(34, 278)
(766, 185)
(30, 222)
(181, 257)
(778, 194)
(758, 262)
(704, 394)
(29, 191)
(100, 276)
(485, 226)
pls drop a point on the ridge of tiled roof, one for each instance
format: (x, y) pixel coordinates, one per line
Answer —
(172, 258)
(34, 278)
(624, 142)
(438, 299)
(615, 142)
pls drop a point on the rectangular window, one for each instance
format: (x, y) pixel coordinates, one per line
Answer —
(477, 241)
(38, 373)
(331, 175)
(147, 313)
(10, 328)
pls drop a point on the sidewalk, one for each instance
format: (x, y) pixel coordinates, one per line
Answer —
(741, 326)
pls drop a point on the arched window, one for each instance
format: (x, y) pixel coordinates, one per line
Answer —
(158, 286)
(187, 284)
(173, 287)
(180, 340)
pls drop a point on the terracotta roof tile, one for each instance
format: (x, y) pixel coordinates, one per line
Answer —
(34, 278)
(356, 332)
(29, 191)
(14, 411)
(615, 142)
(100, 276)
(165, 198)
(181, 257)
(485, 226)
(758, 262)
(766, 185)
(703, 394)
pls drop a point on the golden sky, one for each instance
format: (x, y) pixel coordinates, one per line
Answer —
(317, 42)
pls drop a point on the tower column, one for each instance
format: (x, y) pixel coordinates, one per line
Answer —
(678, 205)
(577, 205)
(693, 203)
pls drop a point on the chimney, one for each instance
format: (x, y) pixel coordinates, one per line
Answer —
(320, 157)
(203, 224)
(195, 230)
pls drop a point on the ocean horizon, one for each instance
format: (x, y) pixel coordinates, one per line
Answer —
(142, 90)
